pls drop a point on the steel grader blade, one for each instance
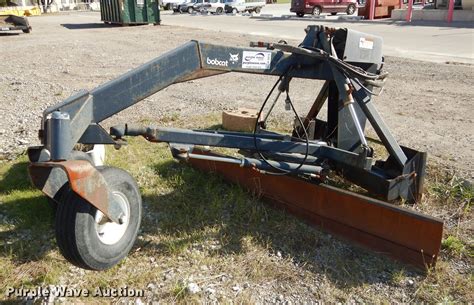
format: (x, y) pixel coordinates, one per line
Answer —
(403, 234)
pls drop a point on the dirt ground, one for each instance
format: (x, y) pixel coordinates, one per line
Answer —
(427, 106)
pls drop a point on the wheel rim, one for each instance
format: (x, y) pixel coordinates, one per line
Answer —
(351, 10)
(109, 232)
(234, 11)
(316, 11)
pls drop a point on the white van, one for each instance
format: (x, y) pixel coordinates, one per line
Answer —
(240, 6)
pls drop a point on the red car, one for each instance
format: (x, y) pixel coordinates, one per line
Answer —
(315, 7)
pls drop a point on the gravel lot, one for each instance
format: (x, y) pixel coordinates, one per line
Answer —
(426, 105)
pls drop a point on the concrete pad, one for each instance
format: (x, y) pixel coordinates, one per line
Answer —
(436, 41)
(464, 16)
(347, 17)
(434, 15)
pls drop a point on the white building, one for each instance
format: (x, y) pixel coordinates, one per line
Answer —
(59, 5)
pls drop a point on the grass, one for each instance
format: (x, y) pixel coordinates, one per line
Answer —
(198, 229)
(452, 189)
(455, 246)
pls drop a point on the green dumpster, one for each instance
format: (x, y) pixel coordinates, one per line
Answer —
(127, 12)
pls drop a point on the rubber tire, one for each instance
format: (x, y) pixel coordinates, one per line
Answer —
(26, 31)
(219, 10)
(333, 13)
(258, 10)
(351, 8)
(234, 11)
(190, 10)
(300, 15)
(316, 11)
(76, 234)
(75, 155)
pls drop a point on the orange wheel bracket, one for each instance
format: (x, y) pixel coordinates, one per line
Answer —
(84, 179)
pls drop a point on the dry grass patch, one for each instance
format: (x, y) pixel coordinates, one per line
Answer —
(197, 229)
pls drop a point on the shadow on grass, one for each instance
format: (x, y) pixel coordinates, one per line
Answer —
(197, 201)
(16, 178)
(25, 217)
(200, 200)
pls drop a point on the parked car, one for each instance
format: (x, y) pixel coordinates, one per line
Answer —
(190, 7)
(176, 6)
(168, 4)
(238, 6)
(316, 7)
(215, 6)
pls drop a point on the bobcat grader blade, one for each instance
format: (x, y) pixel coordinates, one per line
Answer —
(369, 222)
(99, 208)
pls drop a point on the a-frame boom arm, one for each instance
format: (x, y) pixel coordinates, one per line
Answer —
(192, 60)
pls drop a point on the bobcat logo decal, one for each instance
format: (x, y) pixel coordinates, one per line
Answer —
(234, 58)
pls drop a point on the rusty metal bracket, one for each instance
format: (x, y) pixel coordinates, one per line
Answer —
(84, 179)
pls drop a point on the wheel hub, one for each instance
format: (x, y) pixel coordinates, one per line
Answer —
(110, 232)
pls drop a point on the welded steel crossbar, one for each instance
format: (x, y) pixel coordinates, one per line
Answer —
(349, 62)
(243, 141)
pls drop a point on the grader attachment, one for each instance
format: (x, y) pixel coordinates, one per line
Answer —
(99, 208)
(9, 23)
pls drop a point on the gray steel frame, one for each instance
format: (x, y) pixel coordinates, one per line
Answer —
(245, 141)
(76, 120)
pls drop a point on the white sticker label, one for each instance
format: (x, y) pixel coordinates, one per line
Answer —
(5, 29)
(256, 60)
(366, 44)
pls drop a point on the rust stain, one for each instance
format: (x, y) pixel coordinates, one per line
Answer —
(83, 177)
(202, 73)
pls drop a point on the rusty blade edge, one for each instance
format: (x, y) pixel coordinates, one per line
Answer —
(412, 221)
(351, 234)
